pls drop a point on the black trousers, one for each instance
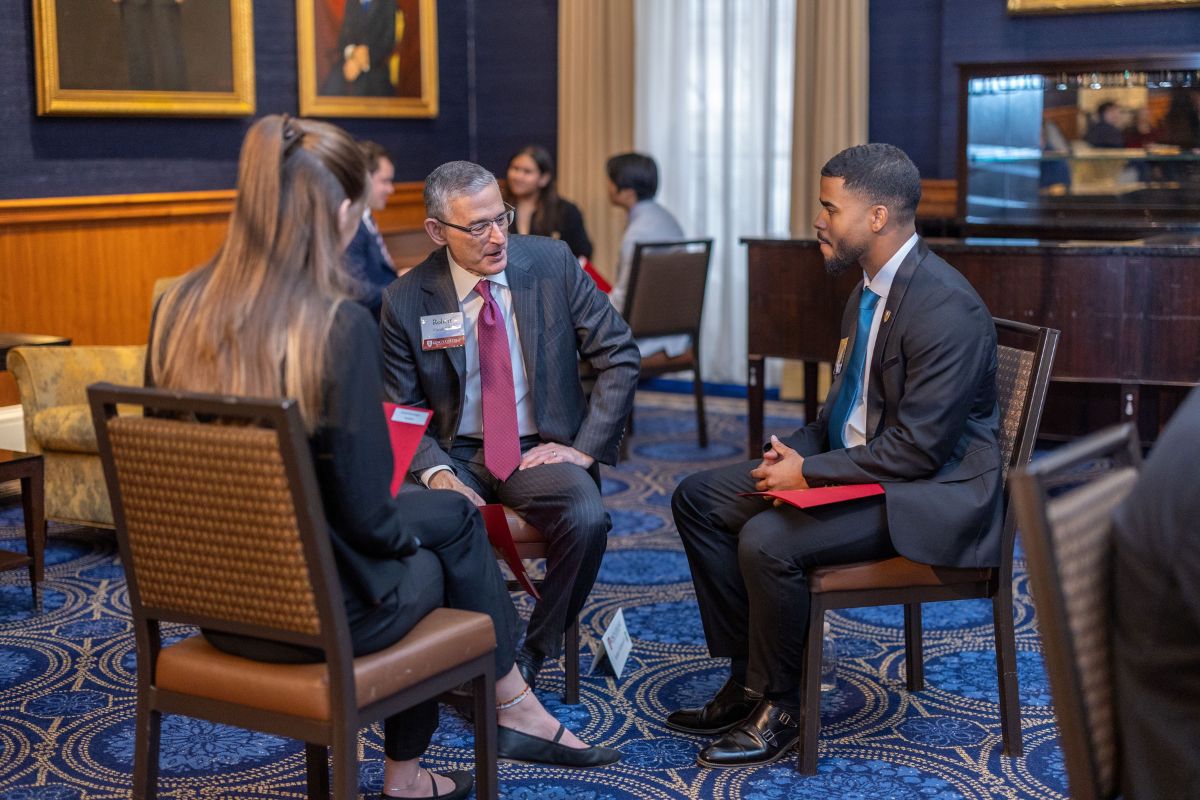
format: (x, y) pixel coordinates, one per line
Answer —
(455, 568)
(563, 502)
(749, 562)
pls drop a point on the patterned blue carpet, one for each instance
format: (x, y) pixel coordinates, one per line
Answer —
(67, 675)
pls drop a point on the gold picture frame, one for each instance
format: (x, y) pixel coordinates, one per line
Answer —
(355, 59)
(1073, 6)
(144, 57)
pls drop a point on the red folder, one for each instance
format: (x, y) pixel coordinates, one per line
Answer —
(601, 283)
(406, 425)
(821, 496)
(500, 535)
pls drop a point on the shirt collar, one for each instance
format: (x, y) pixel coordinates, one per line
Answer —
(465, 282)
(881, 284)
(639, 207)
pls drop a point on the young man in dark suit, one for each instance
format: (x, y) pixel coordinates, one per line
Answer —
(912, 406)
(489, 332)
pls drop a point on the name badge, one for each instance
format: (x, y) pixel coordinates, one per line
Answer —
(439, 331)
(837, 366)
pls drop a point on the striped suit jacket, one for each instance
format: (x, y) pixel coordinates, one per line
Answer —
(563, 318)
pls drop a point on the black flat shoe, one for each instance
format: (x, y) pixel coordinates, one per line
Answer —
(516, 746)
(727, 709)
(762, 738)
(463, 781)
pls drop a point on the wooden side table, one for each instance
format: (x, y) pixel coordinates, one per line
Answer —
(27, 467)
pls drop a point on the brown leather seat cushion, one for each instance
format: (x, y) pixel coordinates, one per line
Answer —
(889, 573)
(522, 531)
(443, 639)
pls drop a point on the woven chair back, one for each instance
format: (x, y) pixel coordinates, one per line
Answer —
(211, 523)
(1014, 376)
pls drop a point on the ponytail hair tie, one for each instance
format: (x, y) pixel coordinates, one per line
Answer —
(290, 136)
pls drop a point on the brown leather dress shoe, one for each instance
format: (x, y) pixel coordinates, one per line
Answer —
(765, 736)
(730, 706)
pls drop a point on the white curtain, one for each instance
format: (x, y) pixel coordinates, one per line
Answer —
(713, 105)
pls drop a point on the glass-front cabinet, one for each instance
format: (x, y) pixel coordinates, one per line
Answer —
(1106, 147)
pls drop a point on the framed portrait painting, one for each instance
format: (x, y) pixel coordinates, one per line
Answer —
(1068, 6)
(144, 57)
(367, 58)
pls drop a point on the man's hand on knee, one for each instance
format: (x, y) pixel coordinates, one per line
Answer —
(449, 481)
(555, 453)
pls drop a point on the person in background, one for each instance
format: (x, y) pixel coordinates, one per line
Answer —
(1156, 600)
(365, 44)
(274, 288)
(529, 188)
(632, 185)
(1107, 130)
(367, 258)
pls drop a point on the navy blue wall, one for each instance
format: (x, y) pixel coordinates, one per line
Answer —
(916, 46)
(507, 100)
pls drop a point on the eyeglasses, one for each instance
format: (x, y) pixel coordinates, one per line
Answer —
(482, 229)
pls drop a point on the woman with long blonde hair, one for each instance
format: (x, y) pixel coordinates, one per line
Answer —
(268, 316)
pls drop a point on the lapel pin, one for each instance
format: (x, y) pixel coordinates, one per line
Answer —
(887, 314)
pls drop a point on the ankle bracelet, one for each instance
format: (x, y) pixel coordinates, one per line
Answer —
(510, 703)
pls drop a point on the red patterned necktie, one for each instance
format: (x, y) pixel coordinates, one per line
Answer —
(501, 437)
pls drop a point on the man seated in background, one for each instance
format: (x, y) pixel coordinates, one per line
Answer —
(1108, 129)
(632, 185)
(489, 333)
(367, 257)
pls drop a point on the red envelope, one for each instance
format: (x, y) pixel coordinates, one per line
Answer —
(500, 535)
(406, 425)
(821, 496)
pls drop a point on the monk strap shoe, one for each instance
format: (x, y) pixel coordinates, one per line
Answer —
(765, 736)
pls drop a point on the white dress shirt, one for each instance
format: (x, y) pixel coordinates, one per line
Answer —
(856, 423)
(470, 302)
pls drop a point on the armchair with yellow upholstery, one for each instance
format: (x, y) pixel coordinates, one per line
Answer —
(53, 385)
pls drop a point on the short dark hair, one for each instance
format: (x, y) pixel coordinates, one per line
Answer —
(1103, 108)
(881, 173)
(374, 153)
(634, 171)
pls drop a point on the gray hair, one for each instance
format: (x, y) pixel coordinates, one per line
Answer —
(453, 179)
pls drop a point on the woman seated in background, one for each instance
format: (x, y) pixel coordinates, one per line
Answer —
(268, 317)
(529, 188)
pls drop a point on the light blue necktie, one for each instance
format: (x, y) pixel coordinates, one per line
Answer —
(852, 379)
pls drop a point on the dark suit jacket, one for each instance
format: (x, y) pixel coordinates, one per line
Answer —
(932, 418)
(562, 318)
(367, 267)
(374, 26)
(1156, 600)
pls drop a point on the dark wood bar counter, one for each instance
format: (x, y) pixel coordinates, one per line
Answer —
(1129, 313)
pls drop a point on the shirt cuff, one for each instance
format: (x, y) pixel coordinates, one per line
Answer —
(429, 473)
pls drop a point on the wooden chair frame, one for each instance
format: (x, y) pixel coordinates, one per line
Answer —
(1091, 774)
(340, 731)
(951, 583)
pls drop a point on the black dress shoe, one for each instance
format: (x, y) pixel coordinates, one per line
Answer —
(763, 737)
(516, 746)
(528, 665)
(728, 708)
(463, 781)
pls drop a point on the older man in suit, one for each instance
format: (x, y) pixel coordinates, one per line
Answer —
(912, 406)
(488, 332)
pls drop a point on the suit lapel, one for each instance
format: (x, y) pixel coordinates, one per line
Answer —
(527, 310)
(895, 297)
(440, 298)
